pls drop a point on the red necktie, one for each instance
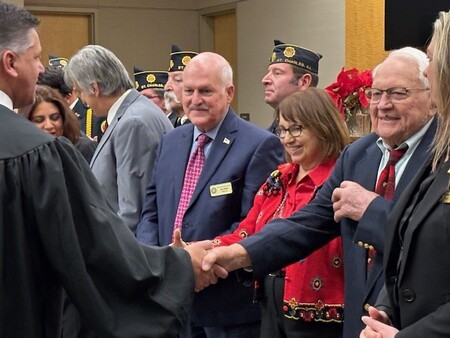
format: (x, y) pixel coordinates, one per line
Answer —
(386, 181)
(386, 188)
(193, 171)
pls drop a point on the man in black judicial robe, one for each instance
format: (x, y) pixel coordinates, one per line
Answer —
(57, 230)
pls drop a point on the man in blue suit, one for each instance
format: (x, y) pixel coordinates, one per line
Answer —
(402, 117)
(239, 157)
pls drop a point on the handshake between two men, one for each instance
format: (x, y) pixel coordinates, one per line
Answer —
(211, 263)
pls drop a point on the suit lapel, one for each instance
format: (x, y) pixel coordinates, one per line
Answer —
(392, 246)
(129, 99)
(181, 154)
(421, 155)
(219, 148)
(366, 169)
(438, 187)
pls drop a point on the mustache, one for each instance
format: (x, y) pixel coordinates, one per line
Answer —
(202, 107)
(170, 96)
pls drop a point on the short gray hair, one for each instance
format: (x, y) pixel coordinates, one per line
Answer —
(420, 58)
(15, 26)
(96, 64)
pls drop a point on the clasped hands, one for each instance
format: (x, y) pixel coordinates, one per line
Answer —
(209, 263)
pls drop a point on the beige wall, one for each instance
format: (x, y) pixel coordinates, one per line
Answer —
(140, 32)
(315, 24)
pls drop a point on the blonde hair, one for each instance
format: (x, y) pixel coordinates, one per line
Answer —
(441, 56)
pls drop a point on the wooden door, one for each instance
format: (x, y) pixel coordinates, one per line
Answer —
(63, 34)
(225, 44)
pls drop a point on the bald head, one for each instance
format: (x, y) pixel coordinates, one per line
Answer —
(207, 90)
(213, 63)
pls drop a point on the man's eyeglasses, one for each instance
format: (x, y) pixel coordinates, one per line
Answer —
(394, 94)
(295, 130)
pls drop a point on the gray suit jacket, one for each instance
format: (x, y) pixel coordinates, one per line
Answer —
(124, 157)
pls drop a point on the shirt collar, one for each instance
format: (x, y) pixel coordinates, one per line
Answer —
(5, 100)
(211, 133)
(318, 174)
(411, 143)
(115, 107)
(74, 103)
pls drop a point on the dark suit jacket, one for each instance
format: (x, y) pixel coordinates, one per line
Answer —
(243, 155)
(419, 290)
(80, 109)
(172, 118)
(314, 226)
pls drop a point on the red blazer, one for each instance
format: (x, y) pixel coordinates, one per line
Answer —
(314, 287)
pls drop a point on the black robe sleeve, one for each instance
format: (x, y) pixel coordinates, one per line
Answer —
(57, 230)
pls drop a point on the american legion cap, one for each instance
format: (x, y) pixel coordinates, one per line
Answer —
(296, 56)
(57, 61)
(179, 58)
(144, 79)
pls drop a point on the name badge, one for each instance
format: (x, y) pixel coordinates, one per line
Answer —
(221, 189)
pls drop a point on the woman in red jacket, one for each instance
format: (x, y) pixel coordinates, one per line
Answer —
(305, 299)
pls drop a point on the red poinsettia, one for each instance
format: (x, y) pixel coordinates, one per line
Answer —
(348, 90)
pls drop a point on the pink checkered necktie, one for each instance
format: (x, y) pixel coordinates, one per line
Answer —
(193, 171)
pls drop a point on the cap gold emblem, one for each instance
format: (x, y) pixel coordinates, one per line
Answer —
(63, 62)
(170, 64)
(185, 60)
(150, 78)
(289, 52)
(136, 84)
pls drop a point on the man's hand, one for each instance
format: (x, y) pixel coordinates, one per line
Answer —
(230, 257)
(350, 200)
(177, 241)
(378, 325)
(198, 251)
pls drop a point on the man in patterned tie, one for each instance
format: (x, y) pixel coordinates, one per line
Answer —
(238, 158)
(402, 115)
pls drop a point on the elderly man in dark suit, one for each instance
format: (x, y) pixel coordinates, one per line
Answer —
(239, 156)
(415, 302)
(403, 119)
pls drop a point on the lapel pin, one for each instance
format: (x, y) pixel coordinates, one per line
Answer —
(446, 198)
(226, 141)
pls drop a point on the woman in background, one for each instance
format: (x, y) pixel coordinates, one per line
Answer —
(51, 113)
